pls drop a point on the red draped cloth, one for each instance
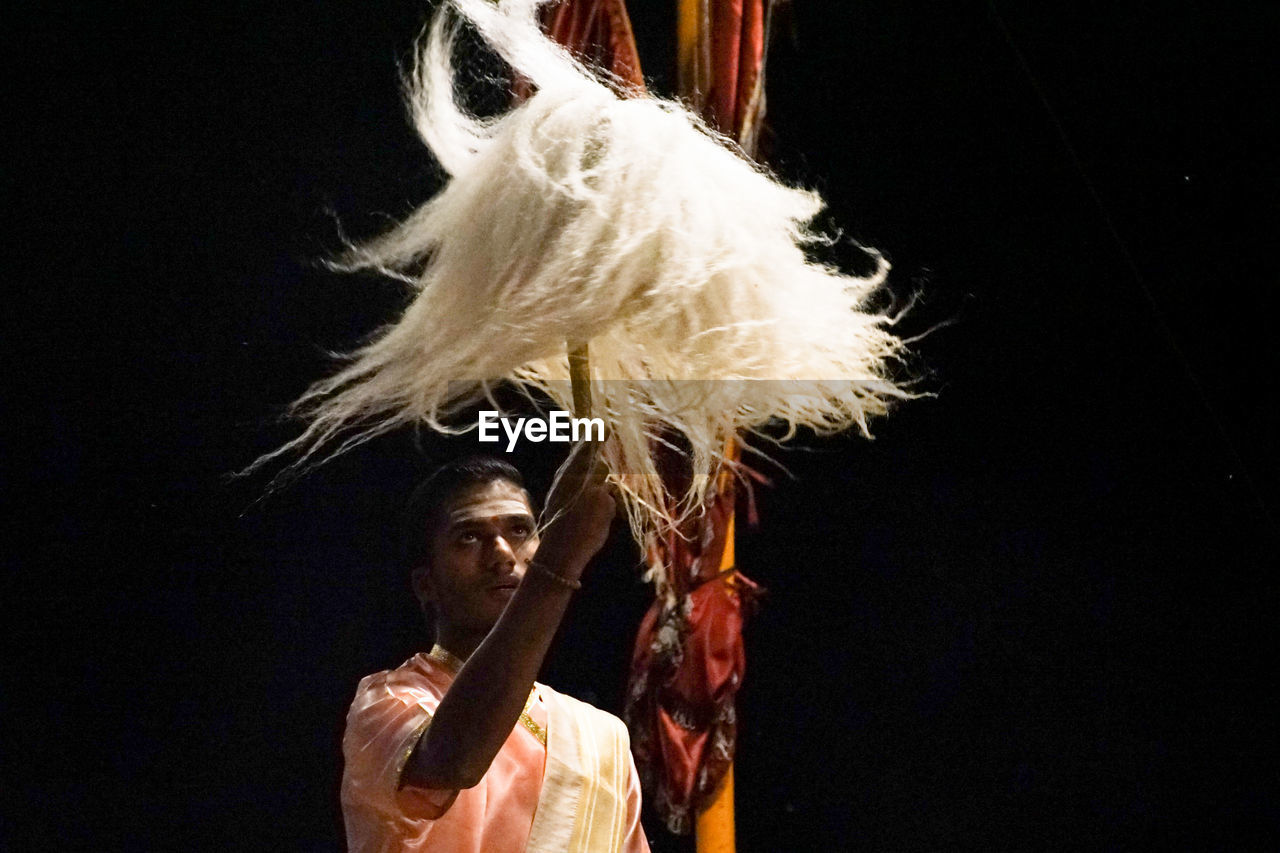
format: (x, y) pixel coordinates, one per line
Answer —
(686, 669)
(737, 60)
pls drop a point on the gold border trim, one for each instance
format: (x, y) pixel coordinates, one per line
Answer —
(529, 723)
(446, 658)
(414, 739)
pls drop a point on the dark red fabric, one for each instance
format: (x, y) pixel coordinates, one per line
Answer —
(687, 701)
(726, 37)
(750, 65)
(598, 31)
(687, 666)
(737, 59)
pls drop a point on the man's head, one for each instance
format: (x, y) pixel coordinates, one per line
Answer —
(469, 536)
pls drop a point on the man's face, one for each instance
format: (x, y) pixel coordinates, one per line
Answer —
(479, 551)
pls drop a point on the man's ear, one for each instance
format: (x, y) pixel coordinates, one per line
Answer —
(420, 580)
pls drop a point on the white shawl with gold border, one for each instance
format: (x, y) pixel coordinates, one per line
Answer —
(583, 805)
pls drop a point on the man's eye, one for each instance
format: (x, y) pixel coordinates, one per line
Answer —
(523, 531)
(468, 538)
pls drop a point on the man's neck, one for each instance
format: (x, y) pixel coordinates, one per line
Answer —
(460, 645)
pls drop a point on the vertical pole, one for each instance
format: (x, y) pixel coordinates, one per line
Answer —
(715, 829)
(715, 822)
(580, 377)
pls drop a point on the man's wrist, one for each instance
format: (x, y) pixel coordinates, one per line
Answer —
(565, 581)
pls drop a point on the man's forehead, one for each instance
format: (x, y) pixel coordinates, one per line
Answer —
(492, 500)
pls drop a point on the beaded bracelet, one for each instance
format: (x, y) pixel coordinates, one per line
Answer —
(560, 579)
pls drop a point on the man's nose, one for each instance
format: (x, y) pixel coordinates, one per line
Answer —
(503, 552)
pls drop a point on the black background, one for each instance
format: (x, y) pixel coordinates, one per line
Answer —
(1033, 613)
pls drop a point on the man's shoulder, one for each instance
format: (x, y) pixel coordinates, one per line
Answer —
(573, 705)
(415, 679)
(547, 690)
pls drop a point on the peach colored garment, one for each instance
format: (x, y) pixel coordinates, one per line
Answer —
(389, 713)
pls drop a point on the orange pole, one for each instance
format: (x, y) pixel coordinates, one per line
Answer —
(715, 823)
(715, 830)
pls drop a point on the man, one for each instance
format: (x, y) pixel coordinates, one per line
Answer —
(460, 749)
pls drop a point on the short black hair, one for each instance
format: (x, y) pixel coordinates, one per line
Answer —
(431, 495)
